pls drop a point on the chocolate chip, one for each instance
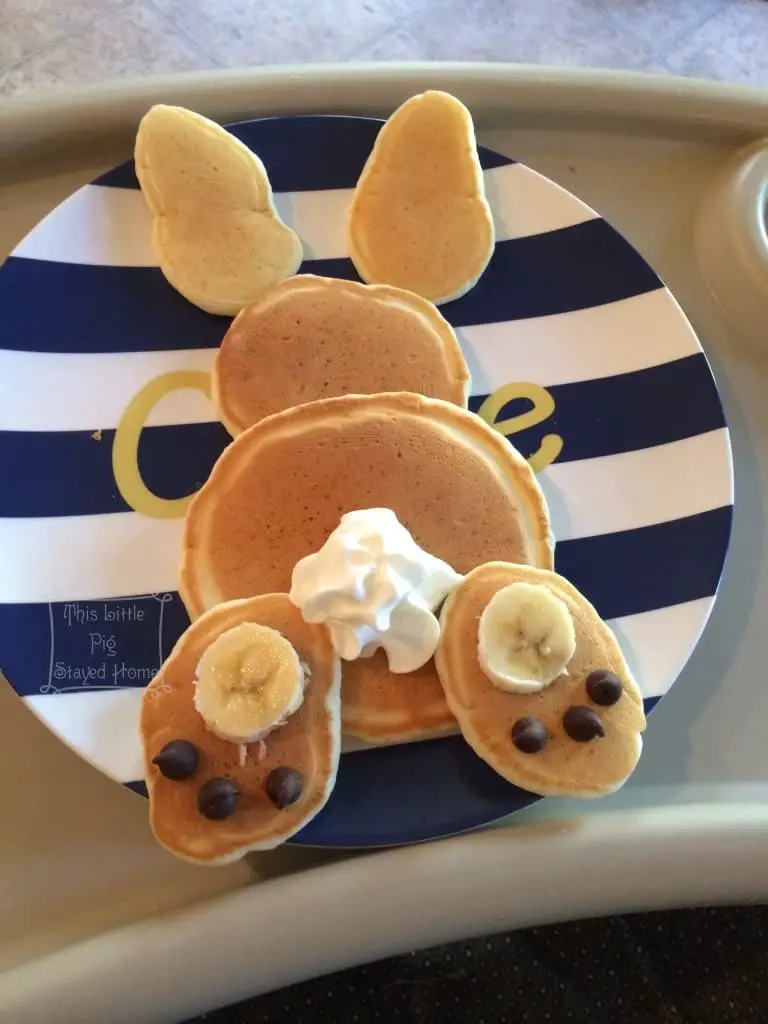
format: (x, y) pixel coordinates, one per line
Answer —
(583, 724)
(177, 760)
(284, 786)
(529, 735)
(604, 687)
(217, 799)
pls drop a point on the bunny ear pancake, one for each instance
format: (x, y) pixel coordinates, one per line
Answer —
(216, 232)
(419, 218)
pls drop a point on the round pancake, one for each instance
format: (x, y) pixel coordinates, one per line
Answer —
(317, 337)
(280, 489)
(310, 741)
(486, 713)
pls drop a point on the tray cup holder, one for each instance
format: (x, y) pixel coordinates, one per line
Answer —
(732, 239)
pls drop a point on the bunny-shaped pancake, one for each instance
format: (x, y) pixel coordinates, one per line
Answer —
(216, 232)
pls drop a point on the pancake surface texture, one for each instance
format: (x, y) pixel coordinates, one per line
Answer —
(280, 489)
(419, 218)
(215, 229)
(318, 337)
(309, 741)
(486, 714)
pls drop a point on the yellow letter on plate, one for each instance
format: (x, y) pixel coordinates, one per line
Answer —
(125, 450)
(543, 405)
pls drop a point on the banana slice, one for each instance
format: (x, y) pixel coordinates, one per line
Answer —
(526, 638)
(249, 681)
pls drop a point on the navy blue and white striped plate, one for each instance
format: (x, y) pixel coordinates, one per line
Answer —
(578, 353)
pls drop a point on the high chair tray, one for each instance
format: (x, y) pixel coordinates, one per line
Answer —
(92, 903)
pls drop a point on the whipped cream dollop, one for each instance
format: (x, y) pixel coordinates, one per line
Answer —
(374, 587)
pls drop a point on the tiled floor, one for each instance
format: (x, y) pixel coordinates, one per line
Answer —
(45, 43)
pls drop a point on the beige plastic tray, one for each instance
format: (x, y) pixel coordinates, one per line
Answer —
(98, 924)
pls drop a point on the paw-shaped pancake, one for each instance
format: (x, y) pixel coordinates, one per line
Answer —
(318, 337)
(419, 218)
(576, 735)
(216, 232)
(211, 799)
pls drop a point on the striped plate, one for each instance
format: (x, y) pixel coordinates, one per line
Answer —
(577, 351)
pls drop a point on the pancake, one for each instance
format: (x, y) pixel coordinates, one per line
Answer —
(215, 229)
(419, 218)
(279, 490)
(486, 713)
(318, 337)
(384, 708)
(309, 741)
